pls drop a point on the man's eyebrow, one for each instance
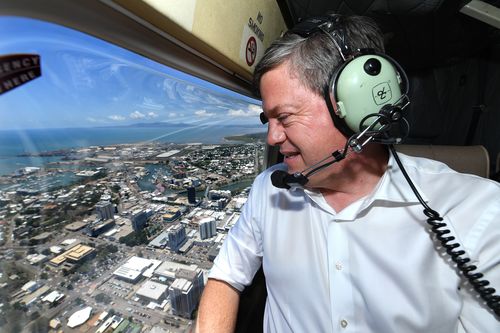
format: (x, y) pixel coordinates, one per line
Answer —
(264, 115)
(279, 107)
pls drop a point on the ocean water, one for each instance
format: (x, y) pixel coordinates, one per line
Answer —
(16, 142)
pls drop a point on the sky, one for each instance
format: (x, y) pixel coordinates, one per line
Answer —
(87, 82)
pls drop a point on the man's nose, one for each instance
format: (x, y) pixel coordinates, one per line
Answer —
(275, 133)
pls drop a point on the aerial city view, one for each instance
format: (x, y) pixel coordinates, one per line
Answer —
(118, 236)
(119, 180)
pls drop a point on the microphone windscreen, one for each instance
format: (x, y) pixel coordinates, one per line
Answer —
(278, 178)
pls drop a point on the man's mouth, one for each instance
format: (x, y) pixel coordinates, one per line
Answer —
(290, 155)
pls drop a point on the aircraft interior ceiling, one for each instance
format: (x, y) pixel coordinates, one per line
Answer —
(452, 60)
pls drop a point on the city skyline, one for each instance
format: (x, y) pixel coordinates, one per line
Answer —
(87, 82)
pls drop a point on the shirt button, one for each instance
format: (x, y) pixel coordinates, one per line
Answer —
(343, 323)
(338, 266)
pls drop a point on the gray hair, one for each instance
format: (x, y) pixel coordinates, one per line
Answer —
(314, 58)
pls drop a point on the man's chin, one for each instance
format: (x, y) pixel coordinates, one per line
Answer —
(294, 167)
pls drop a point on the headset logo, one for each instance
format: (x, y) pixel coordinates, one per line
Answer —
(382, 93)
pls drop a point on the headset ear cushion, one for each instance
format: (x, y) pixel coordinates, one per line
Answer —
(336, 108)
(362, 86)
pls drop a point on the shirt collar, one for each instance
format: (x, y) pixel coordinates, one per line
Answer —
(391, 190)
(393, 186)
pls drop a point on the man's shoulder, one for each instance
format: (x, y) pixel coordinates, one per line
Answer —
(435, 172)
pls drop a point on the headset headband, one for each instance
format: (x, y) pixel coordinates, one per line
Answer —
(329, 25)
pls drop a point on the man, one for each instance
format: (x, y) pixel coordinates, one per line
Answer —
(350, 250)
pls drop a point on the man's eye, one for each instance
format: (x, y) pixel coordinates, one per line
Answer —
(282, 117)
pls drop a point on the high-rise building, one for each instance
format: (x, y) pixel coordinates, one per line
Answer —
(176, 237)
(99, 227)
(207, 228)
(139, 219)
(182, 298)
(217, 194)
(105, 210)
(185, 292)
(191, 193)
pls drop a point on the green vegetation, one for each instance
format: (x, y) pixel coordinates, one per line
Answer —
(105, 251)
(136, 238)
(103, 298)
(248, 138)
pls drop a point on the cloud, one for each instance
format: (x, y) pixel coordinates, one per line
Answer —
(252, 111)
(137, 115)
(140, 115)
(204, 113)
(116, 117)
(92, 120)
(148, 103)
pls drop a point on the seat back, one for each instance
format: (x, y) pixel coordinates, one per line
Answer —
(466, 159)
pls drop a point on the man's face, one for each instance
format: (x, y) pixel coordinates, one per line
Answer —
(299, 123)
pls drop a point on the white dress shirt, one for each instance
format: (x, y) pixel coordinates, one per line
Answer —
(372, 267)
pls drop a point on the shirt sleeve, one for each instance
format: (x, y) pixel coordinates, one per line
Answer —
(241, 254)
(475, 315)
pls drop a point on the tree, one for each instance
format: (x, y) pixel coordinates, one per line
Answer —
(102, 298)
(112, 248)
(19, 306)
(34, 315)
(40, 325)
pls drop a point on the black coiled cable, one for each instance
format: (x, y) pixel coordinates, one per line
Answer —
(439, 229)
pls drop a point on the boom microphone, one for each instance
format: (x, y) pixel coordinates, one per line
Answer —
(282, 179)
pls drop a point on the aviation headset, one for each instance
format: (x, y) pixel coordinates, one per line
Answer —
(364, 83)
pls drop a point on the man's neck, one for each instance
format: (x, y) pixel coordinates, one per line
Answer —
(360, 175)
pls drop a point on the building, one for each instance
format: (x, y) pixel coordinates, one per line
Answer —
(139, 219)
(185, 295)
(182, 298)
(105, 210)
(41, 238)
(75, 226)
(172, 214)
(185, 292)
(36, 258)
(191, 193)
(195, 277)
(239, 203)
(160, 241)
(207, 228)
(218, 194)
(76, 255)
(132, 271)
(167, 271)
(55, 323)
(152, 291)
(30, 286)
(176, 237)
(54, 298)
(99, 227)
(79, 317)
